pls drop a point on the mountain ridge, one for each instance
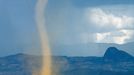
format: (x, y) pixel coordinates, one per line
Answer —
(114, 54)
(23, 64)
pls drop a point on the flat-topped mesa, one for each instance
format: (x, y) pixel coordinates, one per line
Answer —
(114, 54)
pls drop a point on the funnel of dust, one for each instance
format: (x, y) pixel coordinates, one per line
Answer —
(46, 67)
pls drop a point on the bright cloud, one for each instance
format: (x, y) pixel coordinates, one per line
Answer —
(103, 18)
(110, 27)
(118, 37)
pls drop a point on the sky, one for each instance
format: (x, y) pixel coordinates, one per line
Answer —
(71, 24)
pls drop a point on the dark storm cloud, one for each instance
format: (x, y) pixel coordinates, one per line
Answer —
(92, 3)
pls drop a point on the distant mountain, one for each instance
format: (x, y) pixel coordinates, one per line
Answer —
(114, 62)
(116, 55)
(90, 49)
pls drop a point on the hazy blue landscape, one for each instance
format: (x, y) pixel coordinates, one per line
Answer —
(84, 37)
(114, 62)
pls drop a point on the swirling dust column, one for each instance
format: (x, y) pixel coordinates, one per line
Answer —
(46, 68)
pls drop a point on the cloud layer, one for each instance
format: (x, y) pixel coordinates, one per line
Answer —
(116, 28)
(104, 18)
(119, 37)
